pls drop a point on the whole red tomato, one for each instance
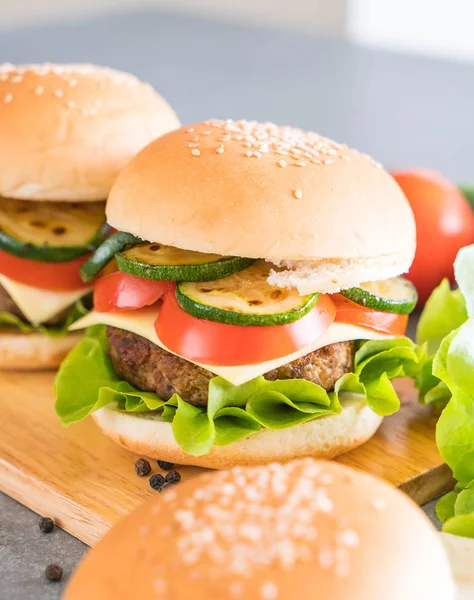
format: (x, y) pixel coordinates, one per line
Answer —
(444, 224)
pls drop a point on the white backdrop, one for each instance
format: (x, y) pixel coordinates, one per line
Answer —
(434, 27)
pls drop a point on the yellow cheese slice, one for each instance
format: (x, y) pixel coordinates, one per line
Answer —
(39, 305)
(141, 322)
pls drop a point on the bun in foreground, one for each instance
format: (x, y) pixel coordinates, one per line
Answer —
(306, 529)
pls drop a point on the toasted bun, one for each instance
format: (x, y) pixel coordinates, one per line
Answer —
(306, 529)
(234, 188)
(323, 438)
(34, 351)
(67, 130)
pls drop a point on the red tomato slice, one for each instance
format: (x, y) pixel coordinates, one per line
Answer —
(354, 314)
(219, 344)
(121, 291)
(44, 275)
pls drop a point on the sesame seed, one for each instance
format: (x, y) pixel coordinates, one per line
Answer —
(298, 194)
(269, 591)
(8, 98)
(195, 138)
(39, 90)
(195, 152)
(59, 93)
(349, 538)
(17, 79)
(193, 145)
(282, 163)
(72, 82)
(345, 157)
(70, 104)
(190, 130)
(257, 154)
(249, 153)
(237, 588)
(206, 132)
(220, 149)
(378, 503)
(300, 164)
(160, 586)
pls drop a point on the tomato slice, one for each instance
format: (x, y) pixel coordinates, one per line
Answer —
(354, 314)
(212, 343)
(121, 291)
(44, 275)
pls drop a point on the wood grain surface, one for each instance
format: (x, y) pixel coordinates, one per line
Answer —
(87, 483)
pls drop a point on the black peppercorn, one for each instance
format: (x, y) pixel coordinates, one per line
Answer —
(173, 477)
(166, 466)
(53, 572)
(157, 482)
(46, 525)
(142, 467)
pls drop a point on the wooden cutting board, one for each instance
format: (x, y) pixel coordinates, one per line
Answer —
(87, 483)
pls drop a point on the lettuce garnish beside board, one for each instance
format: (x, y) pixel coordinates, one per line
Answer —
(447, 326)
(86, 382)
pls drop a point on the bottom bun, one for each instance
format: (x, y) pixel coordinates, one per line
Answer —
(34, 351)
(149, 435)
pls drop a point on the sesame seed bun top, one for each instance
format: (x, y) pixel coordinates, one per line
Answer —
(303, 529)
(264, 191)
(67, 130)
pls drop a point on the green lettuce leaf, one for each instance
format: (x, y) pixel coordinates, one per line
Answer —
(444, 311)
(86, 382)
(10, 321)
(453, 369)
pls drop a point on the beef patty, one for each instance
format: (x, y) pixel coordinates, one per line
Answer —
(7, 304)
(151, 369)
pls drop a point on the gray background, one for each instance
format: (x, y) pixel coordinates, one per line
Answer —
(405, 111)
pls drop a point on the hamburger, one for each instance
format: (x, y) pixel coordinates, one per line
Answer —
(304, 529)
(257, 312)
(65, 132)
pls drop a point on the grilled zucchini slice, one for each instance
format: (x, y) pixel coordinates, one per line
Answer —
(244, 298)
(396, 295)
(51, 231)
(156, 261)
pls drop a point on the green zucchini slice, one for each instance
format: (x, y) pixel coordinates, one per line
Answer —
(51, 231)
(396, 295)
(244, 298)
(105, 253)
(156, 261)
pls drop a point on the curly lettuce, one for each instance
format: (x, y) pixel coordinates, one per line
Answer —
(86, 382)
(453, 369)
(10, 321)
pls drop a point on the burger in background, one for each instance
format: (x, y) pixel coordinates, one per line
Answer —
(263, 317)
(303, 529)
(65, 132)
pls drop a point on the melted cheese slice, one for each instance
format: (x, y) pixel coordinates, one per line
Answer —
(141, 322)
(40, 305)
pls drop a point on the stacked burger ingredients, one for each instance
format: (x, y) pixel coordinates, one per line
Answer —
(255, 309)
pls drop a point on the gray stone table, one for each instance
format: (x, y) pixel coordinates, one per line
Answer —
(403, 110)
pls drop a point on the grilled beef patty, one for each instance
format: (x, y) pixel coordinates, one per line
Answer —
(152, 369)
